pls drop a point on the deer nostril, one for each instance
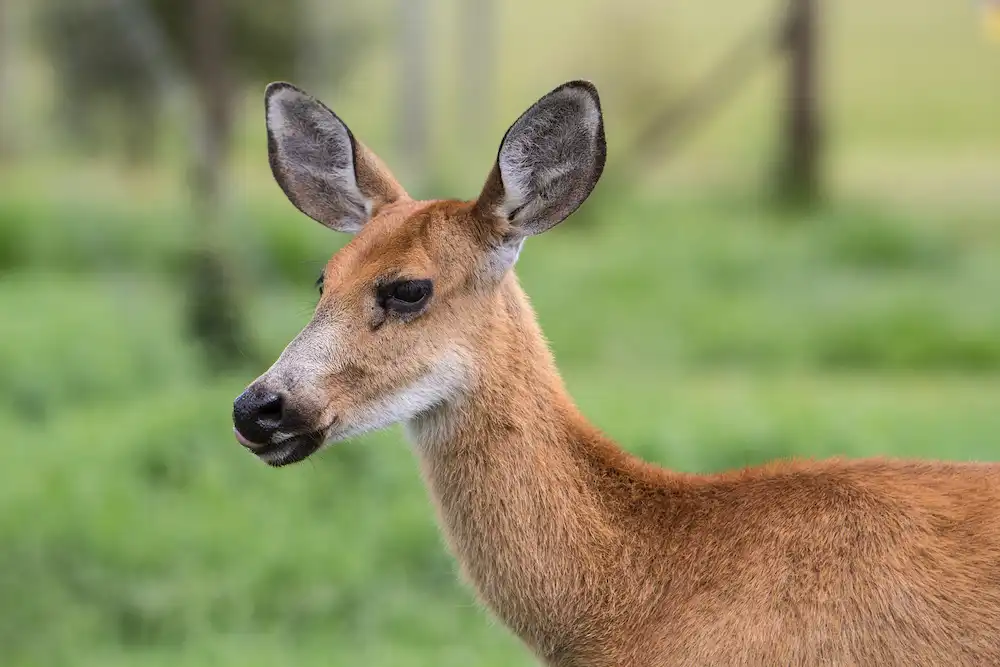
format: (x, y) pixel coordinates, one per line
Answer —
(258, 414)
(270, 408)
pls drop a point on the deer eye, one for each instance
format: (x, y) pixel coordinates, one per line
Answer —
(319, 283)
(405, 296)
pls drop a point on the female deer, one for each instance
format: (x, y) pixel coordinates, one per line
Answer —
(591, 556)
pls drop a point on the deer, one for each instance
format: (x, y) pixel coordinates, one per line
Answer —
(588, 554)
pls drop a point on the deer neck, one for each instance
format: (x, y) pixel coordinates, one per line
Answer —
(521, 484)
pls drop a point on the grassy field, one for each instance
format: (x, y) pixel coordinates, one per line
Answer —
(136, 531)
(694, 324)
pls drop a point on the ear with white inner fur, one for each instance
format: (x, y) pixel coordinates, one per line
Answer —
(321, 167)
(549, 161)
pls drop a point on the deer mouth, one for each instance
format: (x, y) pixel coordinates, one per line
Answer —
(283, 451)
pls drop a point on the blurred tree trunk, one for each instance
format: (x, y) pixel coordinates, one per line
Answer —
(5, 57)
(207, 124)
(478, 28)
(213, 85)
(413, 91)
(799, 175)
(215, 316)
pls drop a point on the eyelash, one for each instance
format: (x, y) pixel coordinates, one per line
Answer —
(389, 296)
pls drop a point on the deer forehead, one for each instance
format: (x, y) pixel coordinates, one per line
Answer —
(409, 239)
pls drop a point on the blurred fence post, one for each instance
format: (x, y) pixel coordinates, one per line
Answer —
(799, 176)
(413, 91)
(478, 27)
(5, 58)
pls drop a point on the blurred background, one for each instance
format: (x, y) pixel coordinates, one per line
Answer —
(795, 250)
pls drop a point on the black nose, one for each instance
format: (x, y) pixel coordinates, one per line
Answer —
(257, 414)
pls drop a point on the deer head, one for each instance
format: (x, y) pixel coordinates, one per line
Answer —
(405, 309)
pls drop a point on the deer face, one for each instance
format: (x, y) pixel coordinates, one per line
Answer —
(406, 305)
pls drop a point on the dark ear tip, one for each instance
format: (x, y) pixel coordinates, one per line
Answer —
(581, 85)
(585, 84)
(279, 86)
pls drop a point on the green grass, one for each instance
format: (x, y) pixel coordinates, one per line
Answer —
(709, 284)
(141, 526)
(73, 341)
(140, 533)
(702, 333)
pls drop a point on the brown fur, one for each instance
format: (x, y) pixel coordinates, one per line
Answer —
(597, 559)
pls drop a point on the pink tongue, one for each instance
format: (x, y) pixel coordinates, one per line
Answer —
(242, 440)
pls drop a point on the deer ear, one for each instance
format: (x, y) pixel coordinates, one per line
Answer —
(324, 171)
(549, 161)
